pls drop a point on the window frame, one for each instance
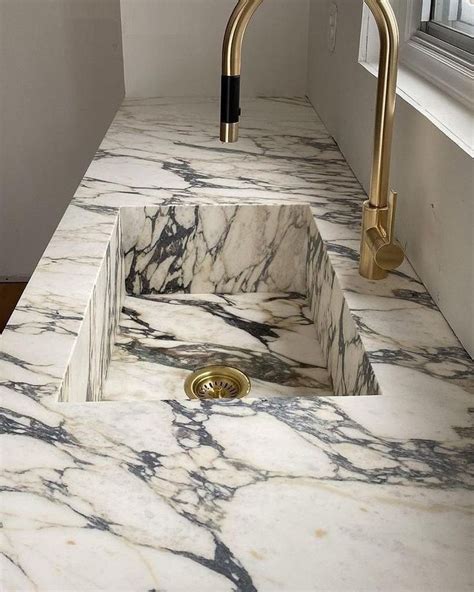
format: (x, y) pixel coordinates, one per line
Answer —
(430, 79)
(438, 32)
(446, 66)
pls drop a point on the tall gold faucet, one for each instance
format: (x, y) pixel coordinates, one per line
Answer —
(379, 252)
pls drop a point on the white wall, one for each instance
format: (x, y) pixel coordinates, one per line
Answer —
(432, 175)
(61, 80)
(173, 47)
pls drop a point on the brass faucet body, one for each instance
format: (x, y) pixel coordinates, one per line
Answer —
(379, 252)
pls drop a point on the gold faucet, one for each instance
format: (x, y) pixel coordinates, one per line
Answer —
(379, 252)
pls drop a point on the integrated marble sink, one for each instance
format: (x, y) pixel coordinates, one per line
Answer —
(245, 286)
(216, 285)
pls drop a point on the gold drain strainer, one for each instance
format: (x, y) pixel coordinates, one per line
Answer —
(217, 382)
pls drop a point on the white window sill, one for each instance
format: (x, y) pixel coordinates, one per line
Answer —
(452, 117)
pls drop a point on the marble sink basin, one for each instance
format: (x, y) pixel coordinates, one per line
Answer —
(247, 286)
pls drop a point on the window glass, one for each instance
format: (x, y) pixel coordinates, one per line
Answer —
(455, 14)
(451, 21)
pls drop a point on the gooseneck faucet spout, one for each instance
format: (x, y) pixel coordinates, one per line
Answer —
(379, 252)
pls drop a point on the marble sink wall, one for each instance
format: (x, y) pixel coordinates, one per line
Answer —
(217, 249)
(90, 356)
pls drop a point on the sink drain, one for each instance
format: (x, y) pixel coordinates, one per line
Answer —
(217, 382)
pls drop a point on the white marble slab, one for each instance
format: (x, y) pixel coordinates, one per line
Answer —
(315, 494)
(215, 249)
(162, 338)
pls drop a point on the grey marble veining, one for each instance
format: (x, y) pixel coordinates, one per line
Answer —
(90, 356)
(337, 332)
(249, 496)
(270, 337)
(309, 493)
(215, 249)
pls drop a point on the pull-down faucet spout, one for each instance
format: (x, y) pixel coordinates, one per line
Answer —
(379, 252)
(231, 63)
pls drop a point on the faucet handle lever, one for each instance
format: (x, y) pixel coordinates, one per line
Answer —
(386, 251)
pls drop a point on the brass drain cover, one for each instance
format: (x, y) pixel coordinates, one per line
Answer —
(217, 382)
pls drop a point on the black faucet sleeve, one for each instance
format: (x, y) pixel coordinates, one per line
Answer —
(230, 99)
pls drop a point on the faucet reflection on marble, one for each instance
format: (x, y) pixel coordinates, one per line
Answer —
(379, 252)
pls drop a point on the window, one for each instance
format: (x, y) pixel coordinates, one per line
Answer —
(451, 21)
(436, 42)
(436, 74)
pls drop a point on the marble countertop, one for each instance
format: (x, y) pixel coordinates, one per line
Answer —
(298, 494)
